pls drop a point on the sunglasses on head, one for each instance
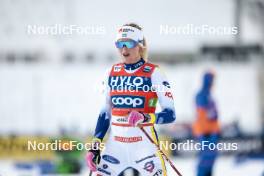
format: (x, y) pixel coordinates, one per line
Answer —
(129, 44)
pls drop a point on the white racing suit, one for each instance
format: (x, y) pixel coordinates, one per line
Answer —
(127, 146)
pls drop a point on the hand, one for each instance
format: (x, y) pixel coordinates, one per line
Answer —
(135, 118)
(92, 159)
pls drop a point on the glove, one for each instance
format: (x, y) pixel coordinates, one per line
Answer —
(135, 118)
(93, 158)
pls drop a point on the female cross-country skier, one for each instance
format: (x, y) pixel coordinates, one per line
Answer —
(133, 88)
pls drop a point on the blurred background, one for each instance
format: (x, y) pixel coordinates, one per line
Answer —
(50, 79)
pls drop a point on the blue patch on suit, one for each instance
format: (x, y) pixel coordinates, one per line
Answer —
(110, 159)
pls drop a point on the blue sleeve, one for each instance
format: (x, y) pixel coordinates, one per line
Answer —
(102, 125)
(165, 116)
(103, 121)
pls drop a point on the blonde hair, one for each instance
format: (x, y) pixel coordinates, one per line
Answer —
(144, 51)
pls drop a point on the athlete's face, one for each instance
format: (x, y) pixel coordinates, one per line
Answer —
(130, 55)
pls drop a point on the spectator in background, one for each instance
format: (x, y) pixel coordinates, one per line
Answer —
(206, 126)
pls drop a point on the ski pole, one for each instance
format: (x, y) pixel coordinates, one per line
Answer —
(163, 154)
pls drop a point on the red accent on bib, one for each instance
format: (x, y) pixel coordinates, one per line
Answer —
(128, 139)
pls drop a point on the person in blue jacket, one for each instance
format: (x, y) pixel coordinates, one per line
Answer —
(206, 126)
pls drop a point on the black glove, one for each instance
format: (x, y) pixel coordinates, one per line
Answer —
(97, 156)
